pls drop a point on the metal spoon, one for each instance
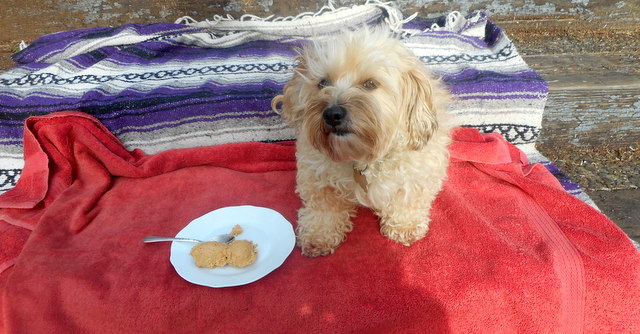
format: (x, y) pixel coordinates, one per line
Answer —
(220, 238)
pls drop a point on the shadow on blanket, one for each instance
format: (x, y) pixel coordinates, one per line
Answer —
(509, 250)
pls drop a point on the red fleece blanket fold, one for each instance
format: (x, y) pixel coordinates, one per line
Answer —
(509, 251)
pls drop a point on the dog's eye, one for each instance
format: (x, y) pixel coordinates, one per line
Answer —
(369, 84)
(323, 83)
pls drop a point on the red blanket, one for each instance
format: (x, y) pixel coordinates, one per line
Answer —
(508, 251)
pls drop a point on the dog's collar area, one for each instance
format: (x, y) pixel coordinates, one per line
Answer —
(360, 178)
(360, 170)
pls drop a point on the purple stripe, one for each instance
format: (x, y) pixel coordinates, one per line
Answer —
(95, 98)
(474, 81)
(515, 95)
(497, 87)
(14, 134)
(62, 40)
(564, 180)
(470, 73)
(112, 126)
(179, 117)
(16, 142)
(493, 33)
(151, 110)
(152, 53)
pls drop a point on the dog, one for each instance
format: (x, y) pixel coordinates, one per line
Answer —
(372, 130)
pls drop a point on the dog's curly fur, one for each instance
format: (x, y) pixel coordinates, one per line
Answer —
(390, 125)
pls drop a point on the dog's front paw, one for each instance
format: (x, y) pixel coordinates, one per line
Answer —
(405, 234)
(319, 232)
(313, 250)
(319, 245)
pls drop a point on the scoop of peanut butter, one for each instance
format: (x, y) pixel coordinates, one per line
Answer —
(210, 254)
(213, 254)
(241, 253)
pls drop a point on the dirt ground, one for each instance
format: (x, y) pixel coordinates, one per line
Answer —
(609, 175)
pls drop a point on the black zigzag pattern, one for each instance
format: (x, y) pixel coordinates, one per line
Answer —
(9, 178)
(49, 78)
(513, 133)
(504, 53)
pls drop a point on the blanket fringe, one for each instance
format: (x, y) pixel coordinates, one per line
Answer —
(458, 23)
(187, 20)
(455, 21)
(246, 22)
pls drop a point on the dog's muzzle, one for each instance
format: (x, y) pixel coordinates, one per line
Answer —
(335, 117)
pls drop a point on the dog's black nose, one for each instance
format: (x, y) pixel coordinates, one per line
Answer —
(334, 115)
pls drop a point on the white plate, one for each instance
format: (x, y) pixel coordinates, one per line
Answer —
(265, 227)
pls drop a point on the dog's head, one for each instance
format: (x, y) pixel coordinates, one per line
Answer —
(360, 94)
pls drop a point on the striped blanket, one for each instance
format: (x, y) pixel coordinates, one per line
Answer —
(185, 84)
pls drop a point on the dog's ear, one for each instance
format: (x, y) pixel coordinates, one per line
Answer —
(291, 102)
(418, 95)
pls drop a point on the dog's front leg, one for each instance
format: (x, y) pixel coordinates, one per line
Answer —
(323, 221)
(404, 220)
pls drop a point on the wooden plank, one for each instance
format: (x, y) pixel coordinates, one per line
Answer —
(582, 71)
(29, 19)
(590, 117)
(544, 36)
(594, 99)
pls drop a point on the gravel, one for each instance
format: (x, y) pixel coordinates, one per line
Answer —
(601, 168)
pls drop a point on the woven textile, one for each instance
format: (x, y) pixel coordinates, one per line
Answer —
(164, 86)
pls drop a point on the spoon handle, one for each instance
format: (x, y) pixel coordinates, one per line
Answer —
(159, 239)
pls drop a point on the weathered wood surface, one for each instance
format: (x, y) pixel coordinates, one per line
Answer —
(587, 71)
(28, 19)
(587, 117)
(593, 70)
(594, 99)
(586, 50)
